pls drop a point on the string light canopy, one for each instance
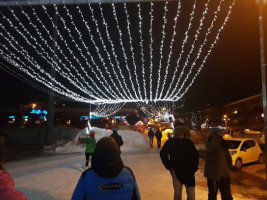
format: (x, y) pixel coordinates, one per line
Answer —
(112, 53)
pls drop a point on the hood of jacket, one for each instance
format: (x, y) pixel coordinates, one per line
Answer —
(106, 160)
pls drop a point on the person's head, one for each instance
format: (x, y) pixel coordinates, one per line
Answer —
(2, 153)
(179, 122)
(215, 130)
(181, 132)
(115, 130)
(92, 134)
(106, 160)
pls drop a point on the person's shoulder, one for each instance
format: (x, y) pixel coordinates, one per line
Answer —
(4, 173)
(129, 170)
(5, 178)
(86, 172)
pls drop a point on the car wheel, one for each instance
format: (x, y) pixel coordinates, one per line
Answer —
(238, 163)
(261, 159)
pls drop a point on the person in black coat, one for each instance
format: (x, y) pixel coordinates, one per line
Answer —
(151, 137)
(158, 135)
(117, 138)
(180, 156)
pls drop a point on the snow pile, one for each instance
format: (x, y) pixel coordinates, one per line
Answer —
(133, 141)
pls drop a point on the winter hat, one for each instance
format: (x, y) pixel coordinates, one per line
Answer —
(106, 160)
(115, 130)
(92, 134)
(181, 131)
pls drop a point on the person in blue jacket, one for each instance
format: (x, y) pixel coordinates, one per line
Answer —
(107, 178)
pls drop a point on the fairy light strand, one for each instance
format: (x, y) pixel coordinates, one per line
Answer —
(131, 48)
(179, 5)
(193, 45)
(113, 51)
(192, 15)
(151, 49)
(84, 77)
(161, 46)
(211, 47)
(123, 49)
(142, 49)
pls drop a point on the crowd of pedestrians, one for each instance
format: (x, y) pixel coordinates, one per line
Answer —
(109, 178)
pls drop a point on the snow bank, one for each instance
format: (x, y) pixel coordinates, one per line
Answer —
(133, 141)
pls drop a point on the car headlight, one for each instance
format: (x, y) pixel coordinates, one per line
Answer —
(232, 153)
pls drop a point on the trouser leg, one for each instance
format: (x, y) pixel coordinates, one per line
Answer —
(87, 159)
(151, 141)
(190, 191)
(225, 188)
(177, 185)
(213, 189)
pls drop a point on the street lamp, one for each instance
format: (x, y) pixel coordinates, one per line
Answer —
(263, 72)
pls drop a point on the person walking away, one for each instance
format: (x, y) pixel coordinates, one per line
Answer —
(107, 178)
(90, 148)
(217, 166)
(181, 158)
(7, 189)
(158, 135)
(151, 137)
(117, 138)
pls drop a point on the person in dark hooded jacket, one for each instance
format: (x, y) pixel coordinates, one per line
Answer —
(108, 178)
(158, 135)
(217, 166)
(180, 156)
(117, 138)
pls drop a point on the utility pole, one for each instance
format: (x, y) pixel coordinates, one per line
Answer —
(51, 98)
(263, 74)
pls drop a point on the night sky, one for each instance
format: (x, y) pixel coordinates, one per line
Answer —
(232, 71)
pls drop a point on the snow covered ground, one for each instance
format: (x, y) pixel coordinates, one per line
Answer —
(55, 177)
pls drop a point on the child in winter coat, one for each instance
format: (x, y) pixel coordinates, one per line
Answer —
(90, 147)
(108, 178)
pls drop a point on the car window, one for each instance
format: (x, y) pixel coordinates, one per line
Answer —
(246, 145)
(252, 143)
(232, 144)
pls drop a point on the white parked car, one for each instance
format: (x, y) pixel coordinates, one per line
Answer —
(244, 150)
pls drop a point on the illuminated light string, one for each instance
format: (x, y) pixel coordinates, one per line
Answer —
(35, 47)
(161, 46)
(131, 48)
(151, 49)
(106, 85)
(61, 52)
(183, 46)
(123, 49)
(74, 57)
(155, 107)
(36, 76)
(142, 49)
(47, 82)
(204, 43)
(179, 5)
(106, 110)
(103, 45)
(22, 78)
(211, 47)
(124, 85)
(193, 44)
(59, 49)
(88, 53)
(78, 67)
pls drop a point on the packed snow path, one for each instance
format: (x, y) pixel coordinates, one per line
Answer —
(55, 177)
